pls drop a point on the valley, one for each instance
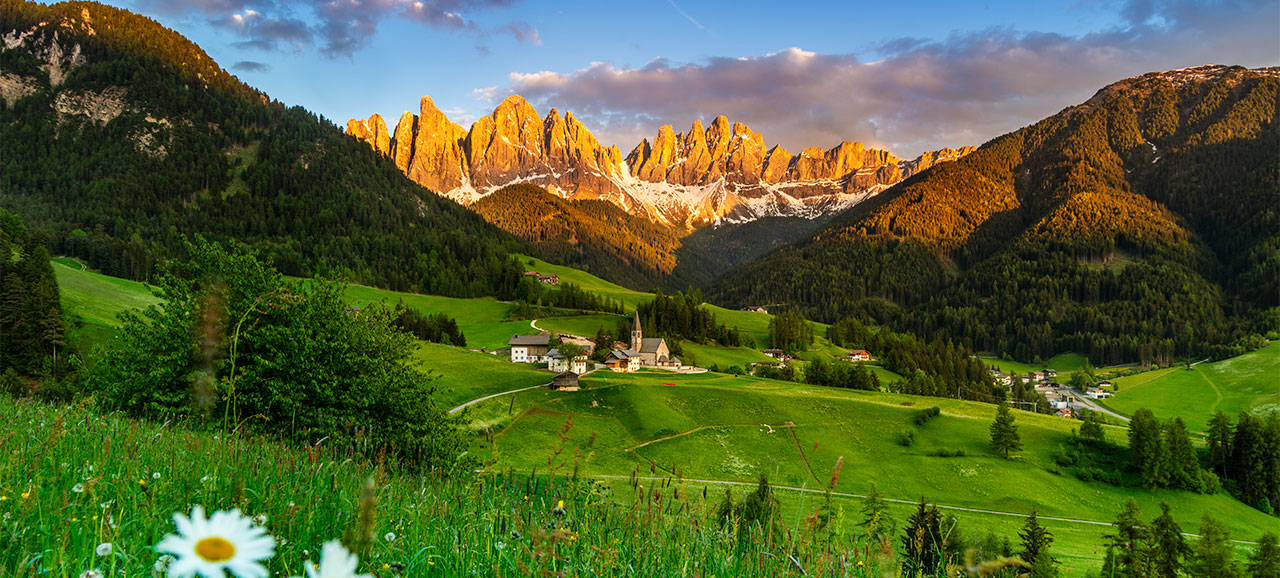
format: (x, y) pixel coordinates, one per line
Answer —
(717, 430)
(1040, 344)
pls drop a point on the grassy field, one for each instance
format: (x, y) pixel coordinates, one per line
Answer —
(72, 481)
(466, 375)
(629, 297)
(708, 355)
(93, 301)
(724, 428)
(584, 325)
(1250, 382)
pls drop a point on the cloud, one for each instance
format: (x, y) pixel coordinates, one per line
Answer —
(525, 33)
(250, 66)
(920, 95)
(337, 27)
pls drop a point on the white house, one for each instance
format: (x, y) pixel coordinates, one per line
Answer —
(529, 348)
(578, 365)
(557, 361)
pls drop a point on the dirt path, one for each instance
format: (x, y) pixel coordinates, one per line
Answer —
(698, 429)
(791, 429)
(491, 396)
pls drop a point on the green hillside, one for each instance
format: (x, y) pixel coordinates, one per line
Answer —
(191, 150)
(91, 302)
(718, 427)
(593, 235)
(1250, 382)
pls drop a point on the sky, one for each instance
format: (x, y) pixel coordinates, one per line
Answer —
(907, 77)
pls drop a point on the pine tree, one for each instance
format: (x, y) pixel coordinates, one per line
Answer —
(922, 543)
(1184, 467)
(1265, 561)
(873, 514)
(1168, 546)
(1219, 443)
(1248, 462)
(1091, 430)
(1128, 543)
(1035, 542)
(1004, 433)
(1213, 555)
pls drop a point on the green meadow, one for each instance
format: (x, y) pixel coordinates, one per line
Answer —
(731, 429)
(584, 325)
(92, 302)
(1250, 382)
(72, 480)
(629, 297)
(708, 431)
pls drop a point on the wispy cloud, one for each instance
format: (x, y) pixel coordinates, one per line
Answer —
(686, 14)
(337, 27)
(920, 94)
(250, 66)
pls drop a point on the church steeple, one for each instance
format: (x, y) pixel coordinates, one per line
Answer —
(635, 333)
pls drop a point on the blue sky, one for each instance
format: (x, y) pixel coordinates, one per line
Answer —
(908, 77)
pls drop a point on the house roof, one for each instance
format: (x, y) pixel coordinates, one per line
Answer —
(529, 340)
(555, 353)
(650, 344)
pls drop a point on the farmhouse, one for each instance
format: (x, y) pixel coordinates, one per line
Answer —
(858, 355)
(1051, 373)
(567, 381)
(756, 309)
(549, 279)
(622, 360)
(777, 354)
(1097, 393)
(1036, 376)
(578, 364)
(557, 361)
(529, 348)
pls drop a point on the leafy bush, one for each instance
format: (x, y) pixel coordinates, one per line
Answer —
(906, 438)
(238, 343)
(923, 416)
(947, 453)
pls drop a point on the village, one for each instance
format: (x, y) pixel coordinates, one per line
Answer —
(1066, 401)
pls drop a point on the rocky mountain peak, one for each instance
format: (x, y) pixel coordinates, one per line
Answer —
(707, 173)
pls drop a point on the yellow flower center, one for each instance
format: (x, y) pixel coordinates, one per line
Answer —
(215, 549)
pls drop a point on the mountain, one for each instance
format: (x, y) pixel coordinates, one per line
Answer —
(118, 137)
(721, 173)
(1140, 225)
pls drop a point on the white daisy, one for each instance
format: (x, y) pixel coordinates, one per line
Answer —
(94, 573)
(103, 549)
(78, 488)
(335, 562)
(390, 537)
(227, 541)
(161, 566)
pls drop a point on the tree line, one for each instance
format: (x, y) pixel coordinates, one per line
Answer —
(32, 331)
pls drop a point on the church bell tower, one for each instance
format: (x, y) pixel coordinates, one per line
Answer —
(635, 333)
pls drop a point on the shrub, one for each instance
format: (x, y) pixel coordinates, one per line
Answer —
(906, 438)
(923, 416)
(947, 453)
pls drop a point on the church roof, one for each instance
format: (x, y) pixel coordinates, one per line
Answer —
(650, 344)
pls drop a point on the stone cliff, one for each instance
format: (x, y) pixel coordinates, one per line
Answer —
(720, 172)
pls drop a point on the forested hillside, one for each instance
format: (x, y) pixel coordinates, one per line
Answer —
(118, 137)
(592, 235)
(1139, 226)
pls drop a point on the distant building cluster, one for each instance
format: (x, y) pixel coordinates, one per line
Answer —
(544, 278)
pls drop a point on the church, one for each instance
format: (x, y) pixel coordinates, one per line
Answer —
(649, 352)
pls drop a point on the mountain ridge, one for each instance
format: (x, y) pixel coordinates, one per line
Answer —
(1139, 225)
(720, 173)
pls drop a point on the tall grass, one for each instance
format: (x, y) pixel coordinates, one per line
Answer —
(72, 478)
